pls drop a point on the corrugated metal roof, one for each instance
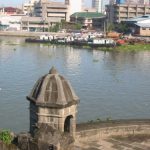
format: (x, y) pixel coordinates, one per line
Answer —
(144, 25)
(140, 18)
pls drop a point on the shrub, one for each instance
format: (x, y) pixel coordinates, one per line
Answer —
(5, 136)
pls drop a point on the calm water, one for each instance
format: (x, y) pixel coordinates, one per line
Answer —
(109, 84)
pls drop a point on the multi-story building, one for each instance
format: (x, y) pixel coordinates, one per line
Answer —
(146, 2)
(47, 13)
(37, 24)
(50, 9)
(73, 6)
(46, 9)
(121, 12)
(28, 8)
(98, 5)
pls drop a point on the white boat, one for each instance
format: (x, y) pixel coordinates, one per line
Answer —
(101, 42)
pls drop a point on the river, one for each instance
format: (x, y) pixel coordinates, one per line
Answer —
(112, 85)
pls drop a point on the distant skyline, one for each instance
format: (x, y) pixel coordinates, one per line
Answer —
(18, 3)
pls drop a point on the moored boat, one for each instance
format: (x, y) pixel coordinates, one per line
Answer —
(102, 42)
(76, 41)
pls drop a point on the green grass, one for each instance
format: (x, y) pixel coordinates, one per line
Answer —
(126, 47)
(135, 47)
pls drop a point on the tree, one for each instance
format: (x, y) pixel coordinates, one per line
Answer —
(110, 27)
(55, 28)
(122, 27)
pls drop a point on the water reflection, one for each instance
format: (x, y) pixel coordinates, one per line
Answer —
(109, 84)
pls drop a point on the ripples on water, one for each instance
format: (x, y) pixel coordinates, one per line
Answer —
(109, 84)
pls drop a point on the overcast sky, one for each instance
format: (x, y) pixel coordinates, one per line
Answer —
(17, 3)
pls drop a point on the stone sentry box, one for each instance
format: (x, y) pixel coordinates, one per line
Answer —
(53, 102)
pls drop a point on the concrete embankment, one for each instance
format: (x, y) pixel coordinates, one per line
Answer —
(29, 34)
(87, 131)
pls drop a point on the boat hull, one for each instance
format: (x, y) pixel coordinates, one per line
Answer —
(73, 43)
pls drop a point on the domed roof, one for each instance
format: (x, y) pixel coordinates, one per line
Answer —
(53, 90)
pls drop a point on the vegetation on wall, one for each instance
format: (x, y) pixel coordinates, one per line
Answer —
(6, 137)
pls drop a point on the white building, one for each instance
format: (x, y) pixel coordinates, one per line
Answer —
(28, 7)
(99, 5)
(12, 23)
(73, 7)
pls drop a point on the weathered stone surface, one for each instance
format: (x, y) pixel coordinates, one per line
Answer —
(23, 141)
(45, 138)
(53, 90)
(8, 147)
(53, 102)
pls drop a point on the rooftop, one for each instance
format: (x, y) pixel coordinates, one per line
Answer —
(87, 15)
(53, 90)
(144, 25)
(137, 19)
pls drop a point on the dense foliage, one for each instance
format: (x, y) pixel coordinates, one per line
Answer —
(65, 25)
(120, 27)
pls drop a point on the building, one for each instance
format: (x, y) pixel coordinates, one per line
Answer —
(88, 19)
(28, 8)
(11, 23)
(47, 13)
(142, 29)
(42, 14)
(129, 2)
(120, 12)
(53, 102)
(120, 1)
(37, 24)
(62, 10)
(139, 25)
(97, 4)
(50, 9)
(9, 11)
(73, 6)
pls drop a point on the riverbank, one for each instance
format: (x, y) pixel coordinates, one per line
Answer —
(125, 47)
(135, 47)
(28, 34)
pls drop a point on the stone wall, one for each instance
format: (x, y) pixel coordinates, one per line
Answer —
(107, 130)
(8, 147)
